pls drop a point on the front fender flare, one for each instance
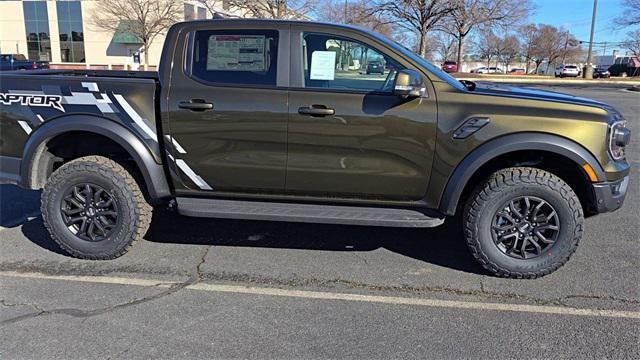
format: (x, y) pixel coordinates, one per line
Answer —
(148, 163)
(506, 144)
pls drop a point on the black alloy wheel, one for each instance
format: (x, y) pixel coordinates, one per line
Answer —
(525, 227)
(89, 212)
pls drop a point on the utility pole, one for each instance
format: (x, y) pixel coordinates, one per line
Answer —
(588, 71)
(345, 12)
(566, 43)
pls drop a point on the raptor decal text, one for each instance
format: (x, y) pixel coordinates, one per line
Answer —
(54, 101)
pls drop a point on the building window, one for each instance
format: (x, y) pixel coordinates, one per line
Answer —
(189, 12)
(71, 33)
(202, 13)
(36, 23)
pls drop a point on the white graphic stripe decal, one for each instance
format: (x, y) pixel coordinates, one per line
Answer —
(91, 86)
(80, 98)
(104, 99)
(175, 143)
(135, 116)
(25, 126)
(192, 175)
(40, 118)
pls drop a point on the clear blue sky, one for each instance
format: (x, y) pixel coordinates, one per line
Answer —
(575, 15)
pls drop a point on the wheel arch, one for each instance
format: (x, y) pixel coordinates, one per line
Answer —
(35, 162)
(560, 147)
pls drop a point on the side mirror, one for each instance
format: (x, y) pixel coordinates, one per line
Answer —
(409, 84)
(470, 85)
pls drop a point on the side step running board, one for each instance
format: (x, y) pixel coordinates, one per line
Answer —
(309, 213)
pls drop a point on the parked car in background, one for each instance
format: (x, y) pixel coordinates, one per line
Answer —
(625, 66)
(567, 71)
(517, 71)
(20, 62)
(450, 66)
(488, 70)
(375, 67)
(601, 73)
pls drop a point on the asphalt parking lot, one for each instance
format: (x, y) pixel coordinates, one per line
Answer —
(199, 288)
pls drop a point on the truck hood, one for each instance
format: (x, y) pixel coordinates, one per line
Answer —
(535, 94)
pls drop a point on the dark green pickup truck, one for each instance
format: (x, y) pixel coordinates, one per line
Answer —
(284, 120)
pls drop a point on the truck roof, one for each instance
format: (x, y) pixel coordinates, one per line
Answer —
(253, 21)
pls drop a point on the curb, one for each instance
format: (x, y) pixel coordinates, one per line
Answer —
(634, 83)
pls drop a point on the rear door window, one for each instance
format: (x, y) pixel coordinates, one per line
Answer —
(235, 57)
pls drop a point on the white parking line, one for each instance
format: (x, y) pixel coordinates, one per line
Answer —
(322, 295)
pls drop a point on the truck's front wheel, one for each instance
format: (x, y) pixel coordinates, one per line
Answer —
(94, 209)
(523, 223)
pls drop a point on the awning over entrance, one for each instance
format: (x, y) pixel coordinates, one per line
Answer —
(123, 34)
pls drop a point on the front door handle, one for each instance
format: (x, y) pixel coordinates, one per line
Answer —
(316, 110)
(195, 105)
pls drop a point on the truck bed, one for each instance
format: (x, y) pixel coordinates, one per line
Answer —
(86, 73)
(31, 99)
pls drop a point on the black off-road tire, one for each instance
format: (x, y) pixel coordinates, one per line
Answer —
(134, 213)
(506, 184)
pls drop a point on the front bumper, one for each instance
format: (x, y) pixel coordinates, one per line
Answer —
(609, 196)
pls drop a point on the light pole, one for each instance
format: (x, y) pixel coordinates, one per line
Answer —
(588, 71)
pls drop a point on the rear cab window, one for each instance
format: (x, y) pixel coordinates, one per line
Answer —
(235, 57)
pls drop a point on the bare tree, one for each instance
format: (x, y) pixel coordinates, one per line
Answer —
(487, 45)
(445, 46)
(552, 44)
(214, 6)
(417, 16)
(510, 50)
(270, 9)
(528, 37)
(571, 50)
(633, 43)
(144, 19)
(470, 14)
(631, 14)
(357, 12)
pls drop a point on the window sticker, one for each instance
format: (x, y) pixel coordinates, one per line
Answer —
(323, 65)
(236, 53)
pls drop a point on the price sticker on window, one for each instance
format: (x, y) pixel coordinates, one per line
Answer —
(323, 65)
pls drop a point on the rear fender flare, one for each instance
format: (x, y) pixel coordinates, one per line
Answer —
(150, 168)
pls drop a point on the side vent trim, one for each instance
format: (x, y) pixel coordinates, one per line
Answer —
(470, 126)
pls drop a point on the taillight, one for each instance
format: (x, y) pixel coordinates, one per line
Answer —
(34, 65)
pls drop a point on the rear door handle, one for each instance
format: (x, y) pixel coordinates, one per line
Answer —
(195, 105)
(316, 110)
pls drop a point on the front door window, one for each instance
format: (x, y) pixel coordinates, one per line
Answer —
(341, 64)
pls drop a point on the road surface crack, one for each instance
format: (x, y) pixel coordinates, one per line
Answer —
(194, 278)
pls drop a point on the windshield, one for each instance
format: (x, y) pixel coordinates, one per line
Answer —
(443, 76)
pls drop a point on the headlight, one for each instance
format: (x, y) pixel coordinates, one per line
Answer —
(619, 137)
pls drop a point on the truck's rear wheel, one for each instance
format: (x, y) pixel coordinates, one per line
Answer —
(94, 209)
(523, 223)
